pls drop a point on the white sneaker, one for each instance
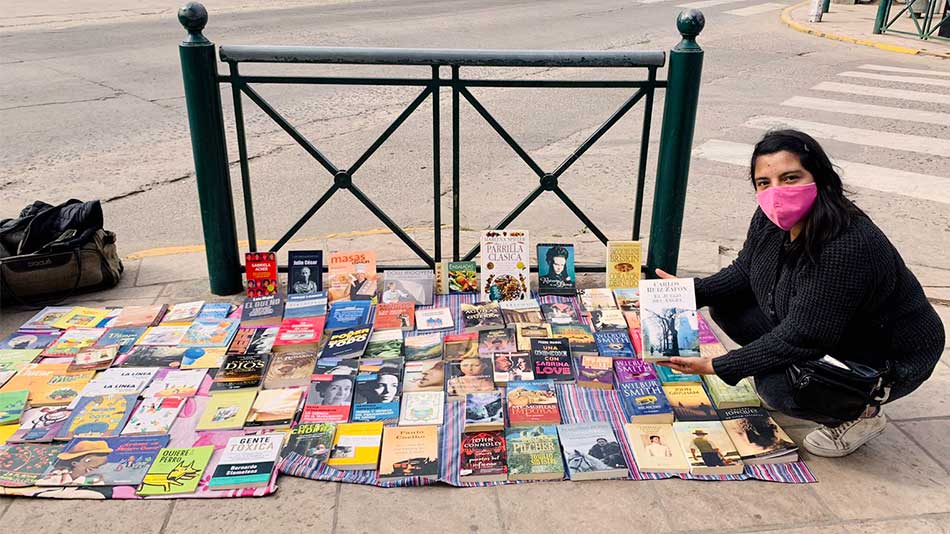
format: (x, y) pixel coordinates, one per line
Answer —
(846, 438)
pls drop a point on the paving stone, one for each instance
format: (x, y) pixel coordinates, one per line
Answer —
(435, 509)
(617, 502)
(890, 526)
(12, 318)
(80, 516)
(300, 505)
(932, 436)
(932, 399)
(193, 290)
(889, 476)
(115, 294)
(174, 268)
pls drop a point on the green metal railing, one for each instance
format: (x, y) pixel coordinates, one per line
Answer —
(928, 24)
(203, 98)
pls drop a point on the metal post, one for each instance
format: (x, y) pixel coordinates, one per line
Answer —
(206, 121)
(883, 7)
(676, 141)
(825, 6)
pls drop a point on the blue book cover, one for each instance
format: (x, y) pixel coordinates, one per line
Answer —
(645, 402)
(101, 416)
(347, 314)
(347, 342)
(668, 375)
(614, 344)
(305, 305)
(123, 337)
(214, 310)
(121, 461)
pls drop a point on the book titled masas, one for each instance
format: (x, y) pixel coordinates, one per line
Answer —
(644, 401)
(347, 342)
(552, 359)
(669, 324)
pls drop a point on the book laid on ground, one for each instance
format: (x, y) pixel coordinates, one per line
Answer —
(552, 359)
(301, 305)
(227, 410)
(483, 457)
(643, 401)
(123, 338)
(725, 396)
(559, 313)
(596, 298)
(40, 425)
(29, 340)
(384, 344)
(176, 471)
(304, 271)
(424, 375)
(414, 285)
(356, 446)
(409, 451)
(347, 314)
(505, 261)
(457, 347)
(72, 341)
(471, 375)
(633, 369)
(22, 464)
(462, 277)
(708, 448)
(312, 440)
(247, 462)
(49, 384)
(512, 366)
(101, 416)
(12, 406)
(94, 359)
(44, 319)
(114, 461)
(152, 356)
(495, 341)
(395, 316)
(422, 346)
(690, 402)
(80, 317)
(595, 372)
(591, 451)
(175, 383)
(521, 311)
(153, 416)
(347, 342)
(422, 408)
(614, 344)
(207, 333)
(608, 319)
(532, 403)
(215, 310)
(241, 341)
(329, 398)
(579, 337)
(260, 273)
(434, 319)
(120, 381)
(667, 374)
(240, 371)
(757, 437)
(668, 319)
(335, 366)
(556, 269)
(623, 264)
(274, 408)
(377, 396)
(298, 334)
(534, 453)
(352, 276)
(163, 335)
(524, 332)
(478, 316)
(267, 310)
(627, 298)
(183, 313)
(656, 448)
(139, 316)
(289, 369)
(484, 411)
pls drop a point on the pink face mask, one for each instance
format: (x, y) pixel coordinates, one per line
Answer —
(786, 206)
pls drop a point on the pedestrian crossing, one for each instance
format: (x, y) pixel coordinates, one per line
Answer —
(748, 11)
(890, 87)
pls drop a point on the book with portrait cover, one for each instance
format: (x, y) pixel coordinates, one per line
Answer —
(183, 313)
(708, 448)
(633, 369)
(329, 398)
(556, 269)
(347, 342)
(176, 471)
(656, 448)
(384, 344)
(512, 366)
(289, 369)
(521, 311)
(377, 396)
(725, 396)
(591, 451)
(471, 375)
(422, 346)
(414, 285)
(434, 319)
(579, 337)
(304, 272)
(300, 305)
(623, 264)
(478, 316)
(298, 334)
(524, 333)
(346, 314)
(267, 310)
(72, 341)
(462, 277)
(395, 316)
(456, 347)
(260, 270)
(614, 344)
(608, 319)
(534, 453)
(559, 313)
(594, 372)
(483, 457)
(352, 276)
(552, 359)
(113, 461)
(532, 402)
(356, 446)
(644, 401)
(757, 437)
(409, 451)
(274, 408)
(668, 319)
(505, 261)
(424, 375)
(484, 411)
(247, 462)
(101, 416)
(495, 341)
(690, 402)
(422, 408)
(240, 371)
(312, 440)
(124, 338)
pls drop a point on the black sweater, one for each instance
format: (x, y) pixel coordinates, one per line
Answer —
(858, 303)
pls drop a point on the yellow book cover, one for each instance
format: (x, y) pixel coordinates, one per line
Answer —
(623, 264)
(356, 446)
(80, 317)
(275, 407)
(203, 358)
(227, 410)
(50, 384)
(410, 451)
(656, 448)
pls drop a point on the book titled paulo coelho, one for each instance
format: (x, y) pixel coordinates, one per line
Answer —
(505, 262)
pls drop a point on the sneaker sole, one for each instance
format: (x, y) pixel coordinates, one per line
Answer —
(838, 453)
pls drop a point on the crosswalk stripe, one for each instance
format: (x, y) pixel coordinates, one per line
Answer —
(887, 92)
(708, 3)
(652, 1)
(756, 9)
(906, 183)
(868, 110)
(859, 136)
(905, 79)
(887, 68)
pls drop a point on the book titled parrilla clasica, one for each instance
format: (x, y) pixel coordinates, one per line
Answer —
(505, 265)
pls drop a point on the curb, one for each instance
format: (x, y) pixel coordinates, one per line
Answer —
(799, 27)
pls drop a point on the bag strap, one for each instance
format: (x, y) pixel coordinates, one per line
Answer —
(52, 302)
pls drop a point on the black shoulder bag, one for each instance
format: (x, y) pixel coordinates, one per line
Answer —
(827, 389)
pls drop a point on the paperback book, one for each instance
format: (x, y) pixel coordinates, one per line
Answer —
(205, 333)
(591, 451)
(484, 411)
(596, 298)
(227, 410)
(623, 264)
(267, 310)
(241, 341)
(708, 448)
(49, 384)
(690, 402)
(153, 416)
(274, 408)
(556, 269)
(483, 457)
(505, 265)
(247, 462)
(348, 314)
(347, 342)
(44, 319)
(534, 453)
(512, 367)
(183, 313)
(132, 316)
(414, 286)
(579, 337)
(422, 347)
(656, 448)
(457, 347)
(478, 316)
(12, 406)
(384, 344)
(395, 316)
(668, 319)
(260, 270)
(667, 374)
(644, 401)
(594, 372)
(424, 375)
(434, 319)
(329, 398)
(532, 403)
(123, 338)
(311, 440)
(72, 341)
(495, 341)
(240, 371)
(298, 334)
(304, 272)
(422, 408)
(552, 359)
(627, 298)
(462, 277)
(559, 313)
(176, 471)
(377, 396)
(94, 359)
(29, 340)
(757, 437)
(101, 416)
(471, 375)
(614, 344)
(114, 461)
(352, 276)
(289, 369)
(175, 383)
(21, 465)
(525, 332)
(163, 335)
(521, 311)
(152, 356)
(410, 452)
(356, 446)
(725, 396)
(608, 319)
(633, 370)
(300, 305)
(80, 317)
(40, 425)
(120, 381)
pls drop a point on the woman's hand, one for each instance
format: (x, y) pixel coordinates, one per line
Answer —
(663, 274)
(691, 366)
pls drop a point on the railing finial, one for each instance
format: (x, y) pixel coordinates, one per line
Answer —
(690, 23)
(193, 16)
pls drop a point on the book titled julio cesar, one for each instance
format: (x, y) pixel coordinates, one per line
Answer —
(304, 271)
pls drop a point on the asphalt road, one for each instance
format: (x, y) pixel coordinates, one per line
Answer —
(92, 107)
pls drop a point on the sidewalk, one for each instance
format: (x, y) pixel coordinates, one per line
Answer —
(900, 482)
(854, 24)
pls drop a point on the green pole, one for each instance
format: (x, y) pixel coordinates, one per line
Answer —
(825, 5)
(206, 122)
(676, 141)
(883, 7)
